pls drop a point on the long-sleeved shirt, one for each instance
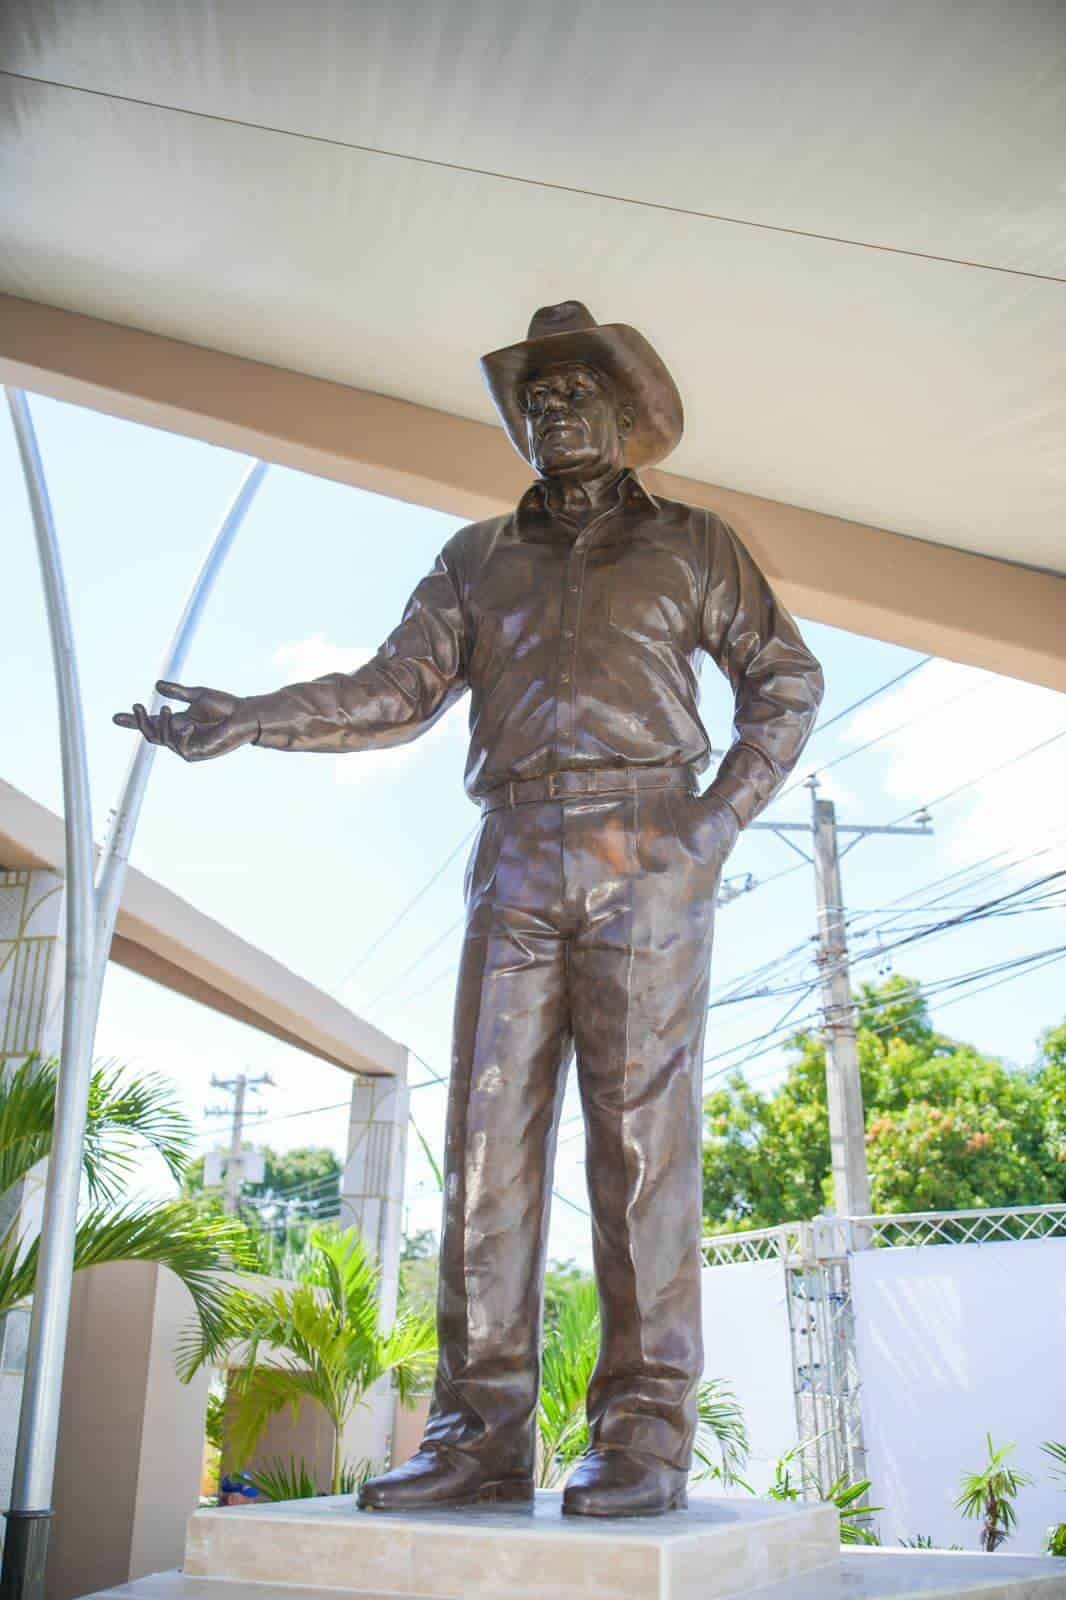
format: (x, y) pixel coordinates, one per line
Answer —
(579, 648)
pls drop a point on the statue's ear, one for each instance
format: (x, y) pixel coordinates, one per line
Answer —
(626, 419)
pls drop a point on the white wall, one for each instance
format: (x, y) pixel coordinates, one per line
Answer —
(955, 1341)
(746, 1341)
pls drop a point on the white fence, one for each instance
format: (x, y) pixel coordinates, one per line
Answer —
(909, 1338)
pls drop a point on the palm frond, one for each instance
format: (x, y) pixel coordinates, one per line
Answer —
(278, 1479)
(125, 1113)
(27, 1108)
(317, 1342)
(128, 1111)
(407, 1353)
(263, 1392)
(176, 1235)
(567, 1363)
(721, 1432)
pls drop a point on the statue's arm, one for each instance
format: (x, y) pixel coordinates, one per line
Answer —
(777, 683)
(411, 681)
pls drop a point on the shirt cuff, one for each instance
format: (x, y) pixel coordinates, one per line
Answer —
(274, 717)
(747, 781)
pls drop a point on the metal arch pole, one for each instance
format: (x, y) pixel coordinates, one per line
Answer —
(91, 916)
(114, 860)
(26, 1543)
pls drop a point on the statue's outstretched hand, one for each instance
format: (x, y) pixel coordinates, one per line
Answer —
(214, 724)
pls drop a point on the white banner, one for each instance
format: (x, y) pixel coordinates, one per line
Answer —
(747, 1342)
(956, 1341)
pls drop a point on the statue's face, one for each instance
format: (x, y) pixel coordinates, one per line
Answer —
(576, 422)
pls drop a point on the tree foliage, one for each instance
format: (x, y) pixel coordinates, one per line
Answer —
(321, 1343)
(304, 1182)
(947, 1127)
(127, 1116)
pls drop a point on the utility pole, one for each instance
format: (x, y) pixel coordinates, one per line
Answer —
(847, 1122)
(236, 1161)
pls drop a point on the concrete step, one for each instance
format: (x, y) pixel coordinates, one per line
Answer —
(858, 1575)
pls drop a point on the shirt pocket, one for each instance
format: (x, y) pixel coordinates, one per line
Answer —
(648, 597)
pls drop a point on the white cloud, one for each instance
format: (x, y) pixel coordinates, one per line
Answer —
(303, 659)
(963, 724)
(314, 657)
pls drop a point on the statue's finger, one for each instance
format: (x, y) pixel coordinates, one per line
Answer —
(165, 723)
(177, 691)
(124, 719)
(146, 724)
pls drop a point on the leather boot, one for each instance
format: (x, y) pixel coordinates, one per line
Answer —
(441, 1475)
(623, 1483)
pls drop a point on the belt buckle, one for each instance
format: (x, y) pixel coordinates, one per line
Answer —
(553, 791)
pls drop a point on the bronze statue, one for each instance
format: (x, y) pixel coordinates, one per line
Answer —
(574, 622)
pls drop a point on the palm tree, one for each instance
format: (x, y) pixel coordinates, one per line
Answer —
(1056, 1537)
(990, 1495)
(570, 1349)
(127, 1115)
(325, 1344)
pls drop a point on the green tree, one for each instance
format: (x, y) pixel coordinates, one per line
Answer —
(419, 1271)
(947, 1126)
(1051, 1084)
(128, 1116)
(324, 1344)
(302, 1183)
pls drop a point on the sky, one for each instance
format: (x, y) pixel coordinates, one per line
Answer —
(313, 858)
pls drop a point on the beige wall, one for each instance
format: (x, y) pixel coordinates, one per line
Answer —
(130, 1434)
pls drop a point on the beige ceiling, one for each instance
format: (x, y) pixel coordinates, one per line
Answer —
(843, 224)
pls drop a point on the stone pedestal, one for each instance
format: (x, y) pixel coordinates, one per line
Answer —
(717, 1548)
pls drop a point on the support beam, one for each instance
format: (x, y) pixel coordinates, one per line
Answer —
(164, 938)
(905, 590)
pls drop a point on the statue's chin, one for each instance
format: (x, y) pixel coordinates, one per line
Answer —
(568, 463)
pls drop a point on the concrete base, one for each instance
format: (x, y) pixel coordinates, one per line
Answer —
(716, 1549)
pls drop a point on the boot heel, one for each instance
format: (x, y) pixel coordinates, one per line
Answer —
(506, 1491)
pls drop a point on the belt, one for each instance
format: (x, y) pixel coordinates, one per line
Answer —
(572, 785)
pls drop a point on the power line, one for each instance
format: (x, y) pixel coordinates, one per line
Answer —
(880, 738)
(395, 982)
(928, 805)
(408, 908)
(823, 727)
(991, 772)
(931, 990)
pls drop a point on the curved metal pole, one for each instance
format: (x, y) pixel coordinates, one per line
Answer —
(39, 1419)
(111, 871)
(91, 915)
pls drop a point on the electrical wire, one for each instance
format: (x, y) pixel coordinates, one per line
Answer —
(407, 909)
(929, 991)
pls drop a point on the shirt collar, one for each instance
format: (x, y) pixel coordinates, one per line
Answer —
(534, 514)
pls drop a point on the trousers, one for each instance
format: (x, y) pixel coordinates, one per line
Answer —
(588, 933)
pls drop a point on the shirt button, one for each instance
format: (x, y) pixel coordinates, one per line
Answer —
(564, 677)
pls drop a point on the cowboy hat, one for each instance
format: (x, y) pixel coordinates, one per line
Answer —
(569, 332)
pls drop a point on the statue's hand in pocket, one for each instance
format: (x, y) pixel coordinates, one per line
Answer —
(718, 827)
